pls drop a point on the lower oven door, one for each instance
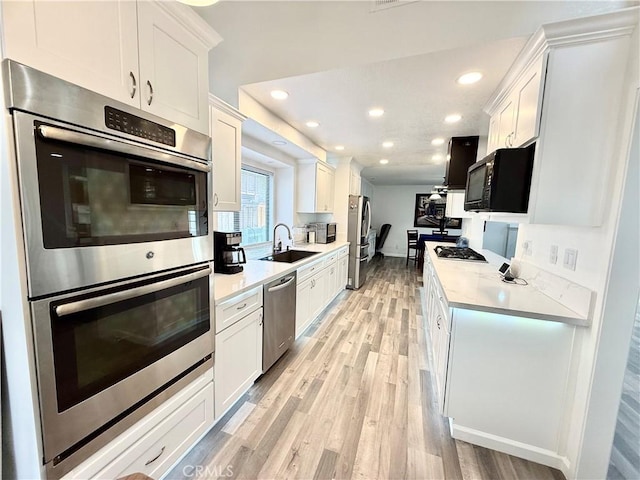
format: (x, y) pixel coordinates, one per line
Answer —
(102, 353)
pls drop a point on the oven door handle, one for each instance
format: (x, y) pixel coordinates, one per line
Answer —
(89, 303)
(120, 146)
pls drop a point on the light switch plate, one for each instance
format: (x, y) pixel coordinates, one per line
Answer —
(570, 258)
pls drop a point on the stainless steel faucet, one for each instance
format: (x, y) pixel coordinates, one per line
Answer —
(279, 247)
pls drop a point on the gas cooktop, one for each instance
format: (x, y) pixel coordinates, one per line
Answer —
(459, 253)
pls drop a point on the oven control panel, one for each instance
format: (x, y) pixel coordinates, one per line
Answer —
(133, 125)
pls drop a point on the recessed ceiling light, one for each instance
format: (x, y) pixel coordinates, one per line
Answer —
(469, 78)
(312, 124)
(384, 161)
(387, 144)
(437, 141)
(279, 142)
(279, 94)
(339, 147)
(376, 112)
(453, 118)
(437, 157)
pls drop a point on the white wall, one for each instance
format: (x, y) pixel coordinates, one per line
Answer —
(395, 204)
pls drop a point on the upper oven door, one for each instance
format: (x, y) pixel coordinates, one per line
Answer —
(98, 208)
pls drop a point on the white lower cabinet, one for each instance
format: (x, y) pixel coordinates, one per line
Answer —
(155, 443)
(238, 360)
(318, 284)
(156, 452)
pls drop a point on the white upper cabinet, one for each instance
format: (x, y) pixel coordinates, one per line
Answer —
(316, 184)
(91, 44)
(173, 68)
(516, 119)
(567, 91)
(151, 55)
(226, 135)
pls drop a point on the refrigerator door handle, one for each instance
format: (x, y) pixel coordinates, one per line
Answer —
(368, 217)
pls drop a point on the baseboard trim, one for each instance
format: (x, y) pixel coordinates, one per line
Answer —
(511, 447)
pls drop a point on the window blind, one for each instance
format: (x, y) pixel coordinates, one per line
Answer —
(256, 206)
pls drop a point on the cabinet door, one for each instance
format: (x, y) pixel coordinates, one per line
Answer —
(303, 306)
(226, 135)
(173, 69)
(343, 273)
(527, 118)
(354, 183)
(492, 138)
(324, 188)
(91, 44)
(318, 293)
(238, 360)
(505, 125)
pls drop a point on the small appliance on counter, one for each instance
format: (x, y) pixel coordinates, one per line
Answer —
(227, 256)
(325, 232)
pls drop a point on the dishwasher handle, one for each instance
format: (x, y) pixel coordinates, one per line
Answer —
(284, 284)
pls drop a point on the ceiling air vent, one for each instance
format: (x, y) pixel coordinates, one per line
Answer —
(377, 5)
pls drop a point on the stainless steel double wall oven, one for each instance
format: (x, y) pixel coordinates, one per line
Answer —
(114, 205)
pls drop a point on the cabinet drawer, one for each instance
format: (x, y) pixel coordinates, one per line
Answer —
(308, 270)
(232, 310)
(331, 259)
(343, 252)
(158, 450)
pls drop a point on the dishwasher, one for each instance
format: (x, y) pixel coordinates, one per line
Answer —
(279, 324)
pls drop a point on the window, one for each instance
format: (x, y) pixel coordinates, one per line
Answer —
(254, 218)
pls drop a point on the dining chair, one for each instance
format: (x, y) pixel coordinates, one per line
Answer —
(412, 244)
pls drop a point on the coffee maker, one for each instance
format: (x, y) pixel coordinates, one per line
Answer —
(227, 256)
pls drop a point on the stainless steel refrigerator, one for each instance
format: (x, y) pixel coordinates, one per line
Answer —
(357, 234)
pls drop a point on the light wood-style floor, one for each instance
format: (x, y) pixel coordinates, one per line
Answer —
(352, 399)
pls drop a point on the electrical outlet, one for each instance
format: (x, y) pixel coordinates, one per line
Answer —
(553, 254)
(570, 258)
(527, 247)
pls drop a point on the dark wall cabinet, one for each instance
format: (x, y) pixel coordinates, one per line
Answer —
(462, 154)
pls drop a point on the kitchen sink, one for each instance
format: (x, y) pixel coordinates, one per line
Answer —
(289, 256)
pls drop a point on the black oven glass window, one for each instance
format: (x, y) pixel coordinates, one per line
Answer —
(94, 197)
(97, 348)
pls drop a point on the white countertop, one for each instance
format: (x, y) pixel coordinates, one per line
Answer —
(257, 272)
(478, 286)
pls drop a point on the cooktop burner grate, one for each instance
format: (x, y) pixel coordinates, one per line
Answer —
(459, 253)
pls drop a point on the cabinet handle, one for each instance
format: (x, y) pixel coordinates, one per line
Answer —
(438, 321)
(134, 84)
(241, 306)
(149, 462)
(215, 199)
(150, 93)
(260, 323)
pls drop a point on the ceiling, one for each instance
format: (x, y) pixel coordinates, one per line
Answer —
(338, 59)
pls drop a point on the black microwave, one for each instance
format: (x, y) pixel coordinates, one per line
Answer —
(500, 182)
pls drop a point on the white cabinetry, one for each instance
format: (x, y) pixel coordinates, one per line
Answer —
(318, 284)
(576, 140)
(238, 355)
(157, 441)
(315, 187)
(343, 268)
(226, 135)
(517, 118)
(151, 55)
(439, 327)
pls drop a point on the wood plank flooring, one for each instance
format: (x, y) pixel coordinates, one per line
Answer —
(353, 399)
